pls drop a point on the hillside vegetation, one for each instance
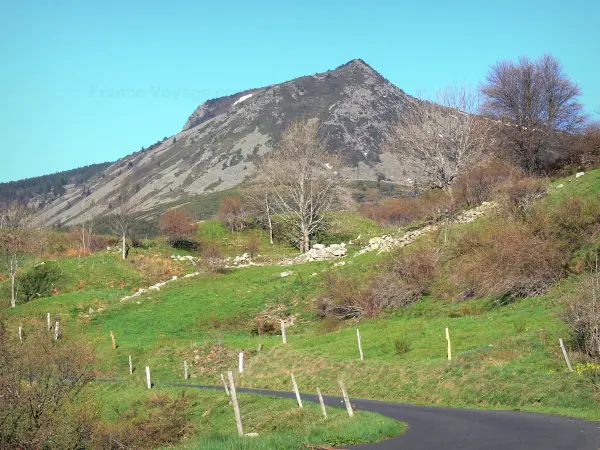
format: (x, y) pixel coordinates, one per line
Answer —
(503, 285)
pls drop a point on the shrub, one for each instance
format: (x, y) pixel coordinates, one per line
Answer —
(233, 213)
(506, 260)
(481, 183)
(39, 282)
(403, 283)
(582, 313)
(402, 345)
(430, 207)
(212, 258)
(179, 228)
(519, 194)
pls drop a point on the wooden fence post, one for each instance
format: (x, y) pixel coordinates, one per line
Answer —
(564, 350)
(346, 399)
(185, 370)
(21, 334)
(48, 321)
(148, 380)
(449, 345)
(225, 385)
(359, 344)
(130, 366)
(236, 407)
(241, 362)
(112, 338)
(323, 410)
(298, 399)
(56, 331)
(283, 336)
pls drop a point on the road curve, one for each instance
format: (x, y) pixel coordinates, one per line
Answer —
(432, 428)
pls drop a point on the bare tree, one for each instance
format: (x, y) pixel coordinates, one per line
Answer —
(299, 176)
(123, 216)
(260, 204)
(536, 99)
(14, 240)
(446, 135)
(83, 234)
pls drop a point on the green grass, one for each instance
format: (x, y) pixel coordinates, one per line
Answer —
(504, 357)
(279, 422)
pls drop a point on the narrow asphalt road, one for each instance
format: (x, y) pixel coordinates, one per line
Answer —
(432, 428)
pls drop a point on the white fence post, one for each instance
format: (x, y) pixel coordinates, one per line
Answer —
(48, 321)
(323, 410)
(359, 344)
(346, 399)
(564, 350)
(21, 334)
(185, 370)
(241, 362)
(225, 385)
(130, 366)
(56, 331)
(148, 380)
(283, 336)
(296, 391)
(449, 345)
(236, 407)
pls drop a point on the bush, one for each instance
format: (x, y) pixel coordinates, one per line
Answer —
(212, 258)
(38, 282)
(567, 221)
(403, 283)
(506, 260)
(481, 183)
(430, 207)
(582, 313)
(519, 194)
(179, 228)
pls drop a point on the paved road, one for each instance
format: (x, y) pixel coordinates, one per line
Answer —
(432, 428)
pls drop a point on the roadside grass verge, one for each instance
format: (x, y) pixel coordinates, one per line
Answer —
(279, 422)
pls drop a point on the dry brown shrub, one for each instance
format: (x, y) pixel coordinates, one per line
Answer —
(481, 183)
(519, 194)
(430, 207)
(166, 424)
(403, 283)
(212, 258)
(506, 260)
(155, 269)
(582, 313)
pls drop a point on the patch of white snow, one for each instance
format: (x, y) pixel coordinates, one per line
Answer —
(242, 98)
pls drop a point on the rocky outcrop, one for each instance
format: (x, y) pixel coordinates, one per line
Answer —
(318, 252)
(388, 242)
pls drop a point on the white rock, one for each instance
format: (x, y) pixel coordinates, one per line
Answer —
(251, 434)
(318, 246)
(579, 174)
(560, 186)
(287, 273)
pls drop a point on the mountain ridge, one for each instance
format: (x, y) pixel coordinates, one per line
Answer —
(222, 139)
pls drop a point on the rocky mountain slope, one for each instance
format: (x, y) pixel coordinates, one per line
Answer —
(222, 139)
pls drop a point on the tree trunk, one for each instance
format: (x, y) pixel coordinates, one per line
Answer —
(13, 299)
(123, 247)
(304, 241)
(270, 222)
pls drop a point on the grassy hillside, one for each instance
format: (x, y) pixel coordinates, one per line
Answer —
(505, 355)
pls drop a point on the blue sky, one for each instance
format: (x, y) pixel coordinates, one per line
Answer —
(85, 82)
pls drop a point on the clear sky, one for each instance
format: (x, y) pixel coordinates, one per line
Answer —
(84, 82)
